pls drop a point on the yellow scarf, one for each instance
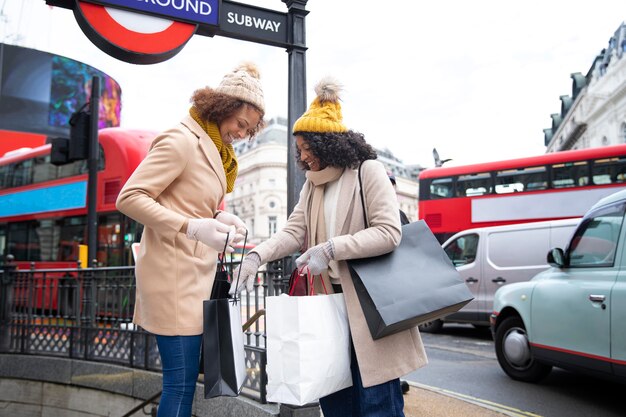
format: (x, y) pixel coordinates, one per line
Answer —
(227, 152)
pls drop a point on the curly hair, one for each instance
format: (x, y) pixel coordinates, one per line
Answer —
(342, 150)
(218, 107)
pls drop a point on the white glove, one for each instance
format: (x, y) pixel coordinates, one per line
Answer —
(212, 233)
(248, 267)
(317, 258)
(232, 220)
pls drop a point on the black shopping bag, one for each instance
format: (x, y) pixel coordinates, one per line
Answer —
(415, 283)
(222, 348)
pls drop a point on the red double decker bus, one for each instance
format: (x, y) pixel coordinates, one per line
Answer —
(43, 213)
(552, 186)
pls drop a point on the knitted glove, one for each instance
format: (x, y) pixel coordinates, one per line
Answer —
(248, 269)
(212, 233)
(232, 220)
(317, 258)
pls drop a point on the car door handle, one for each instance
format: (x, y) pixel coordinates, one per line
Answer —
(499, 280)
(596, 298)
(471, 280)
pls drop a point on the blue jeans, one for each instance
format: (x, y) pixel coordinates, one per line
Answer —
(180, 360)
(384, 400)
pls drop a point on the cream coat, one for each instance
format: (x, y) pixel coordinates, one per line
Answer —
(392, 356)
(182, 177)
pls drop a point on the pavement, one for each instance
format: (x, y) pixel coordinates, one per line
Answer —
(425, 401)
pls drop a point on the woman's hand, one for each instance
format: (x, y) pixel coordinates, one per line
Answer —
(213, 233)
(232, 220)
(247, 272)
(317, 258)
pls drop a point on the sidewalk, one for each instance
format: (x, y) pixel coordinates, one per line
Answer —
(422, 401)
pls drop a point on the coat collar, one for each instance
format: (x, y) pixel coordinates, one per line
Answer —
(345, 210)
(208, 148)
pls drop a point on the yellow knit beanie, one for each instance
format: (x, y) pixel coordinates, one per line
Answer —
(324, 113)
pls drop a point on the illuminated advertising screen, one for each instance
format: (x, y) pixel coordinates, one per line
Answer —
(39, 91)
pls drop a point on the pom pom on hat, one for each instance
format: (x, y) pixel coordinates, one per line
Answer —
(244, 83)
(324, 113)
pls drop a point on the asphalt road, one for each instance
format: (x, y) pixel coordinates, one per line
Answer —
(462, 362)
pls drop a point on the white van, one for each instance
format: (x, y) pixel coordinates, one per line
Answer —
(489, 257)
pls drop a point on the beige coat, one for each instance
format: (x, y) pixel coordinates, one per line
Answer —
(392, 356)
(182, 177)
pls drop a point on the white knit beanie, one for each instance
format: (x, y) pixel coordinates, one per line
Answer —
(244, 83)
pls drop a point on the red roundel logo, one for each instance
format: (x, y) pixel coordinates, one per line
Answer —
(132, 37)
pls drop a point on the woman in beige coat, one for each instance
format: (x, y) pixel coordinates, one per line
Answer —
(329, 220)
(175, 193)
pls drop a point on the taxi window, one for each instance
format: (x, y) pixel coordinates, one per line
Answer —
(595, 242)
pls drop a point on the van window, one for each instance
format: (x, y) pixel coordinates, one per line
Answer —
(515, 248)
(595, 242)
(462, 250)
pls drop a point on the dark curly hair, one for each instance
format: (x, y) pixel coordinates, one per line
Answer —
(342, 150)
(218, 107)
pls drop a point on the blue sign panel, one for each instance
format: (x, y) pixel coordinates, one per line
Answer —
(41, 200)
(197, 11)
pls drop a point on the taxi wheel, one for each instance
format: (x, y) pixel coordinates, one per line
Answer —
(514, 354)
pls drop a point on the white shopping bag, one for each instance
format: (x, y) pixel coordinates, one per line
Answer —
(308, 348)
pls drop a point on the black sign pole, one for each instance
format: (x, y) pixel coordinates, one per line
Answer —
(296, 93)
(92, 165)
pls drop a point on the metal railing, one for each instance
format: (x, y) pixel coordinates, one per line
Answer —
(86, 313)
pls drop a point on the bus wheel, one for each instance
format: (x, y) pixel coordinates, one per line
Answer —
(514, 354)
(431, 326)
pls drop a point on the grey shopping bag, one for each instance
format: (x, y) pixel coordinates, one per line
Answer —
(415, 283)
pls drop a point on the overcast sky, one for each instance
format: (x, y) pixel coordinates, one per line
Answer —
(477, 79)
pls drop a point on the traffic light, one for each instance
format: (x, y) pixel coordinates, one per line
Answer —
(79, 135)
(58, 153)
(75, 148)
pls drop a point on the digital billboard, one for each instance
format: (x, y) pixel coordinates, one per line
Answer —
(39, 91)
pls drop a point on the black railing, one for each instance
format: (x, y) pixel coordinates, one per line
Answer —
(87, 314)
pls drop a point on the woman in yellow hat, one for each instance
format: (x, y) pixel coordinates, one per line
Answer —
(329, 220)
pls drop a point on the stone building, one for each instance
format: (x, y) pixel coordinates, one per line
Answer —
(594, 113)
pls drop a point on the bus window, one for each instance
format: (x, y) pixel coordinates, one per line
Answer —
(473, 185)
(521, 179)
(609, 171)
(4, 176)
(73, 232)
(570, 174)
(441, 188)
(22, 173)
(43, 170)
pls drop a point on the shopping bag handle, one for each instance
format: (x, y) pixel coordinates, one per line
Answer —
(310, 279)
(252, 319)
(245, 240)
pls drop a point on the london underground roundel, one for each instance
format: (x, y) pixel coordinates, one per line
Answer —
(132, 37)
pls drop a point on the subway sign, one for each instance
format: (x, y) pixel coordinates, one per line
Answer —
(204, 12)
(152, 31)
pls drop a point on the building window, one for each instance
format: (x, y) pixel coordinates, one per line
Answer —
(605, 141)
(272, 225)
(272, 204)
(623, 132)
